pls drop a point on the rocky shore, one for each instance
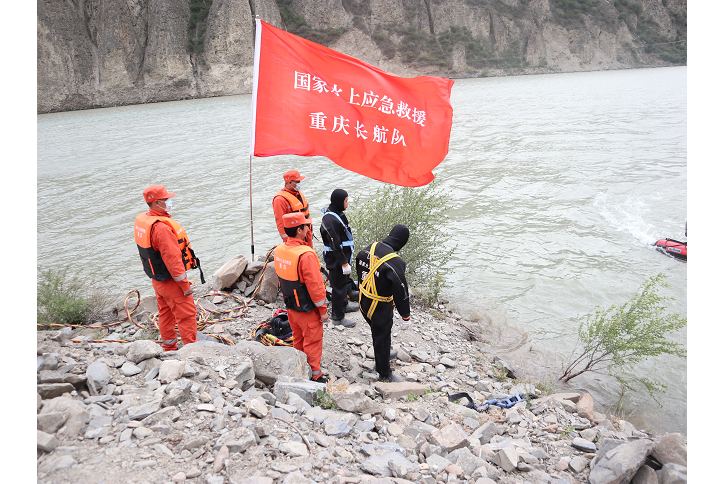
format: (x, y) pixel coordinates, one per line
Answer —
(247, 414)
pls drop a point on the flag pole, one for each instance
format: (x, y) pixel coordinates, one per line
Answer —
(251, 212)
(257, 47)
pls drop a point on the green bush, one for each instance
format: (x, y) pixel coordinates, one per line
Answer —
(67, 299)
(424, 210)
(615, 339)
(324, 400)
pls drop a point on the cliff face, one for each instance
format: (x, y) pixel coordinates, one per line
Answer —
(97, 53)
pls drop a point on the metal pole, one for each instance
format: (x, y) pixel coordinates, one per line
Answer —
(251, 213)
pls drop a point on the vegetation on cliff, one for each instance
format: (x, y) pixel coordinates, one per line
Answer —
(417, 44)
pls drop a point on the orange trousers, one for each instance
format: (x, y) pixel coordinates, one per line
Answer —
(175, 309)
(307, 334)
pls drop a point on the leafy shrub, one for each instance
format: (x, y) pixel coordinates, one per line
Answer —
(617, 338)
(67, 299)
(324, 400)
(424, 210)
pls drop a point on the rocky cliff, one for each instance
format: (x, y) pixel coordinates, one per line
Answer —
(98, 53)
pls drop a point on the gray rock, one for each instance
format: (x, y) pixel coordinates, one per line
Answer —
(48, 376)
(620, 464)
(450, 437)
(269, 362)
(294, 449)
(645, 475)
(421, 413)
(171, 370)
(142, 411)
(76, 414)
(269, 286)
(51, 422)
(605, 446)
(578, 464)
(672, 473)
(589, 434)
(510, 372)
(129, 369)
(49, 362)
(486, 432)
(448, 362)
(47, 442)
(253, 267)
(98, 427)
(237, 440)
(258, 408)
(417, 430)
(356, 402)
(437, 463)
(57, 463)
(464, 459)
(420, 355)
(141, 350)
(228, 274)
(281, 414)
(378, 464)
(506, 458)
(671, 448)
(296, 477)
(584, 445)
(394, 390)
(305, 389)
(175, 397)
(336, 428)
(53, 390)
(400, 466)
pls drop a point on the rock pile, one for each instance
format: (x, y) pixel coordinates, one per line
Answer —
(209, 413)
(241, 275)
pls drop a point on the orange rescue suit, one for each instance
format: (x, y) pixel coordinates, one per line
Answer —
(298, 266)
(153, 263)
(175, 309)
(284, 202)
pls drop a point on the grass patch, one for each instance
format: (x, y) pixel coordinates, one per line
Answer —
(65, 298)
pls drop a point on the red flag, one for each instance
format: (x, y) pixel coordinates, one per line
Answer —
(310, 100)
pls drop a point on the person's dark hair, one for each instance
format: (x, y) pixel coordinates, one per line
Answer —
(149, 204)
(292, 231)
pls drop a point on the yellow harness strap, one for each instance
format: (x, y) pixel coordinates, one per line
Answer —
(367, 288)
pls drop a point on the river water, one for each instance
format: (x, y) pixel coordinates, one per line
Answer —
(559, 185)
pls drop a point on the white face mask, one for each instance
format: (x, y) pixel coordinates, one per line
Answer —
(298, 185)
(168, 205)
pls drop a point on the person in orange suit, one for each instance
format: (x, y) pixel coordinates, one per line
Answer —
(298, 269)
(291, 200)
(166, 255)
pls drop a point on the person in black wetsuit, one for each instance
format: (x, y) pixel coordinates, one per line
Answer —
(337, 252)
(382, 289)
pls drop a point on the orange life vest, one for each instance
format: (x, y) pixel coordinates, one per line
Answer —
(151, 259)
(296, 204)
(286, 261)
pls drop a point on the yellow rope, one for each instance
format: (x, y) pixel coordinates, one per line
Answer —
(367, 288)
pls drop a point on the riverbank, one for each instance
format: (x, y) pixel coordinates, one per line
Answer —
(199, 414)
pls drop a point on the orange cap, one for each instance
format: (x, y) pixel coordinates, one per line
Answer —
(156, 192)
(294, 219)
(292, 175)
